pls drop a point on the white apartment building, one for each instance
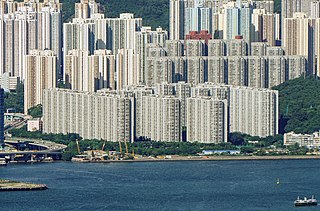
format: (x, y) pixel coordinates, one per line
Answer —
(91, 115)
(207, 120)
(90, 73)
(253, 111)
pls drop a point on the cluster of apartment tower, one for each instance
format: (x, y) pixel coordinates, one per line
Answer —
(217, 62)
(168, 112)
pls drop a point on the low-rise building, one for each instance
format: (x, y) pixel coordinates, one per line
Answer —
(304, 140)
(35, 125)
(219, 152)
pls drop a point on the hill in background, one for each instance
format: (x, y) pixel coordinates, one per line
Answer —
(300, 105)
(154, 12)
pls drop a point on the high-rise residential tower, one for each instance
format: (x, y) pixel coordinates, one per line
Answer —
(176, 19)
(41, 73)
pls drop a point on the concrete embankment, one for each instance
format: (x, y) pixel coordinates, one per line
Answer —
(218, 158)
(7, 185)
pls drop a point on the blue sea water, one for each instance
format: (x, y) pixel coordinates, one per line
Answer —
(194, 185)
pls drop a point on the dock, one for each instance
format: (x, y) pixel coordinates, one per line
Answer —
(8, 185)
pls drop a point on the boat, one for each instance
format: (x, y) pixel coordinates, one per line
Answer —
(306, 202)
(80, 158)
(48, 160)
(3, 162)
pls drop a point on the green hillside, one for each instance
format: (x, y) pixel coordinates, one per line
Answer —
(277, 6)
(154, 12)
(300, 105)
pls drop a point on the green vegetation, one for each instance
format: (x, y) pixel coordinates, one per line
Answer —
(68, 9)
(15, 100)
(154, 12)
(58, 138)
(299, 105)
(277, 6)
(247, 144)
(36, 111)
(240, 139)
(146, 148)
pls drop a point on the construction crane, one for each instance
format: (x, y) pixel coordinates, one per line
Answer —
(126, 147)
(78, 148)
(103, 145)
(120, 147)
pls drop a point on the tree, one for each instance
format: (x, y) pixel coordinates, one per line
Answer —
(36, 111)
(15, 100)
(236, 139)
(299, 105)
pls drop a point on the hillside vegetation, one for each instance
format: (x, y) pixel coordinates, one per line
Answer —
(300, 105)
(154, 12)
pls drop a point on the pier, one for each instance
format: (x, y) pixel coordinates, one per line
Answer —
(7, 185)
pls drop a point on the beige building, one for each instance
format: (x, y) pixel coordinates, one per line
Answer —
(86, 8)
(77, 72)
(91, 115)
(176, 19)
(253, 71)
(41, 69)
(205, 112)
(237, 71)
(301, 37)
(127, 68)
(27, 26)
(34, 125)
(79, 35)
(89, 73)
(253, 111)
(289, 7)
(207, 120)
(121, 32)
(196, 69)
(18, 35)
(142, 40)
(175, 47)
(216, 69)
(256, 71)
(103, 64)
(161, 120)
(216, 47)
(7, 82)
(264, 26)
(303, 140)
(276, 71)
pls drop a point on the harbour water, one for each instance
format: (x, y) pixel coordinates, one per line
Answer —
(198, 185)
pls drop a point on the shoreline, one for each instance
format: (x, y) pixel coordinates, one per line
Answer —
(219, 158)
(176, 158)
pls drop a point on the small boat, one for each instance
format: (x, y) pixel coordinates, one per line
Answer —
(278, 181)
(3, 162)
(48, 160)
(306, 202)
